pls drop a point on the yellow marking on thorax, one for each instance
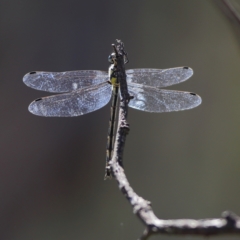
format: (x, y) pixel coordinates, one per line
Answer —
(112, 79)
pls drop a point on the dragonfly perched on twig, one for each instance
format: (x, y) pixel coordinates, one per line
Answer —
(85, 91)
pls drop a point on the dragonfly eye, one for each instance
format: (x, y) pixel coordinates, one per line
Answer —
(112, 57)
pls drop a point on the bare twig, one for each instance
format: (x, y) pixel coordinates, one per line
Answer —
(228, 224)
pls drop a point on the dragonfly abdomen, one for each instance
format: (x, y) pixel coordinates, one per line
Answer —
(111, 130)
(112, 122)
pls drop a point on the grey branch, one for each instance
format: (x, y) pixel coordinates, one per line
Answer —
(228, 224)
(229, 10)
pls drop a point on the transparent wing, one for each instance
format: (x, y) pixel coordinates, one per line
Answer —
(72, 104)
(159, 77)
(64, 81)
(151, 99)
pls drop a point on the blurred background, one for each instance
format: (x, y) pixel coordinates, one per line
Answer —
(186, 163)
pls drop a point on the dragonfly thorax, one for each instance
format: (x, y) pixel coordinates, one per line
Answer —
(113, 75)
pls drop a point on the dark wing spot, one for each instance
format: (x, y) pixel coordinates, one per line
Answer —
(39, 99)
(194, 94)
(185, 67)
(32, 72)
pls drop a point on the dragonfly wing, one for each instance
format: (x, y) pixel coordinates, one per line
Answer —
(64, 81)
(151, 99)
(72, 104)
(159, 77)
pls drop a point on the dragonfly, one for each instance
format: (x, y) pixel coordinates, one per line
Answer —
(85, 91)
